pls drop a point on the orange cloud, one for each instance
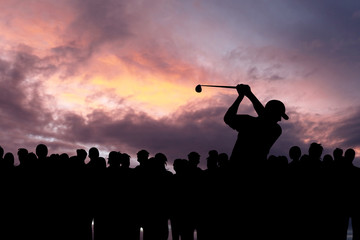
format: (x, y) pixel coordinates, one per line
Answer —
(113, 80)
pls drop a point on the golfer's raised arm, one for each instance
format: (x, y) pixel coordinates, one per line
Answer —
(259, 108)
(231, 113)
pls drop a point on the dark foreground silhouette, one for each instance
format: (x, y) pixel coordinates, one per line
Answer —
(303, 196)
(248, 195)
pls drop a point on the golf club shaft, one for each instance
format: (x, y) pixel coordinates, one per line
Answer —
(218, 86)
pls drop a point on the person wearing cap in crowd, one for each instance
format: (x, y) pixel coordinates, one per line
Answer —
(256, 135)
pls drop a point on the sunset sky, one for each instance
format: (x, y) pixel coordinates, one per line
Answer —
(120, 75)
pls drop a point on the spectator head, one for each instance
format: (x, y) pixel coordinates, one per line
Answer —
(194, 158)
(349, 155)
(315, 151)
(94, 153)
(142, 156)
(212, 159)
(114, 159)
(81, 154)
(295, 153)
(125, 160)
(22, 155)
(338, 154)
(162, 159)
(41, 151)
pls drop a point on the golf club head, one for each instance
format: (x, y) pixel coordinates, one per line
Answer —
(198, 88)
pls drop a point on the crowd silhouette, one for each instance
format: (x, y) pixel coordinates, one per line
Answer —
(299, 196)
(247, 195)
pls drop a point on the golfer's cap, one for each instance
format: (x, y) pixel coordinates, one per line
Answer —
(278, 106)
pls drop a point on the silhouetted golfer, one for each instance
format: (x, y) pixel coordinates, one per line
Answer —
(256, 134)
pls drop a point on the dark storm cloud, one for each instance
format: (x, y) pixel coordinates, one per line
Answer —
(22, 102)
(101, 21)
(21, 99)
(349, 129)
(199, 130)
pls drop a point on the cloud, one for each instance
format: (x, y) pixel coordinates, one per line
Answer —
(348, 129)
(193, 130)
(22, 99)
(97, 22)
(23, 103)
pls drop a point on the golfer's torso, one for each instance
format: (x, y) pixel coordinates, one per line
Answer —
(255, 139)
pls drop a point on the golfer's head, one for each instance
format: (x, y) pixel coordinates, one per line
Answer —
(275, 110)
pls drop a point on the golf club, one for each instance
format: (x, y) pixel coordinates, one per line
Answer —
(198, 88)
